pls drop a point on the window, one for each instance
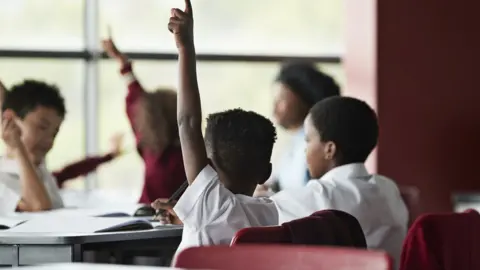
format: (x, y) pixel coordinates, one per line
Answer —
(292, 27)
(68, 76)
(46, 24)
(240, 44)
(249, 84)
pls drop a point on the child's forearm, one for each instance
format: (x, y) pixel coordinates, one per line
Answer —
(189, 104)
(189, 115)
(34, 195)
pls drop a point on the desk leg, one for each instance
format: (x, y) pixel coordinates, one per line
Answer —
(77, 253)
(15, 256)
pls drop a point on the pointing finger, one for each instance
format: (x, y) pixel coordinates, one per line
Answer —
(188, 7)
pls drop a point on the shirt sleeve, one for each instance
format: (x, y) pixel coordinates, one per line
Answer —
(301, 202)
(9, 199)
(204, 200)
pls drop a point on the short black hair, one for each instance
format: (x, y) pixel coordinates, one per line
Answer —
(348, 122)
(309, 83)
(240, 142)
(29, 94)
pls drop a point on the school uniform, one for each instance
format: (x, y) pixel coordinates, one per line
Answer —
(11, 189)
(212, 214)
(292, 170)
(373, 200)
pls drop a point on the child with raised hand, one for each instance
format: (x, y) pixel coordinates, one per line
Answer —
(33, 112)
(152, 116)
(222, 170)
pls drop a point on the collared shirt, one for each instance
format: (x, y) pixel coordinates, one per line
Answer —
(373, 199)
(11, 190)
(212, 214)
(292, 170)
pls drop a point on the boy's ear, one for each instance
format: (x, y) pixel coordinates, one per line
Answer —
(267, 174)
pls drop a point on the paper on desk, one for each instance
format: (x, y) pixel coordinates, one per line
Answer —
(10, 222)
(72, 224)
(117, 210)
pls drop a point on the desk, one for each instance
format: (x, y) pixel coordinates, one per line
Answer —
(87, 266)
(35, 248)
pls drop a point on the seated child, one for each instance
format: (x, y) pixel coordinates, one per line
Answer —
(224, 169)
(152, 116)
(33, 112)
(341, 132)
(85, 166)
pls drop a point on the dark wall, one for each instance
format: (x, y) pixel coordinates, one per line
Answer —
(426, 89)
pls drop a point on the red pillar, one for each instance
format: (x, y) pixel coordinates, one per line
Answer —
(418, 63)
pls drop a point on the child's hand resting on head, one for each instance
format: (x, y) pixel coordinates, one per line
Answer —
(11, 133)
(168, 216)
(181, 25)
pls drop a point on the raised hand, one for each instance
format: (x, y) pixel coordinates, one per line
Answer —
(181, 25)
(11, 133)
(110, 48)
(117, 144)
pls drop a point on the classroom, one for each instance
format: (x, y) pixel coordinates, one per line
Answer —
(229, 135)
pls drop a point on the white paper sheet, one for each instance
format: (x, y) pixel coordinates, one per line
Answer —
(73, 224)
(11, 222)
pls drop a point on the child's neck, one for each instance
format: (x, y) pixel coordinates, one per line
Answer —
(236, 189)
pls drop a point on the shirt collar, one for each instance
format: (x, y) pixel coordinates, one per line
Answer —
(353, 170)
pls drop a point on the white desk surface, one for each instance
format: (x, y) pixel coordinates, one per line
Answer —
(88, 266)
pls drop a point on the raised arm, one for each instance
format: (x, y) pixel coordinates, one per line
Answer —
(189, 110)
(135, 89)
(89, 164)
(34, 196)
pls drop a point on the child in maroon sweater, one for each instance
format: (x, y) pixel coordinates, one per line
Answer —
(152, 116)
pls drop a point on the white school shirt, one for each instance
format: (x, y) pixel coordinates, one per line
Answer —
(212, 214)
(373, 199)
(292, 170)
(11, 190)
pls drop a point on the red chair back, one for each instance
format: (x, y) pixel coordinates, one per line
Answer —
(411, 198)
(448, 241)
(258, 235)
(279, 257)
(327, 228)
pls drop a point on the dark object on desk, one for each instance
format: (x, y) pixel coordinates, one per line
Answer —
(144, 211)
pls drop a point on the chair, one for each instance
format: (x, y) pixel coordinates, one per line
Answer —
(278, 257)
(271, 235)
(448, 241)
(411, 198)
(327, 227)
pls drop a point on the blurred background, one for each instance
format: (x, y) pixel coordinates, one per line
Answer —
(240, 45)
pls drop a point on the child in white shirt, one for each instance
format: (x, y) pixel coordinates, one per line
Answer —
(32, 114)
(239, 145)
(341, 132)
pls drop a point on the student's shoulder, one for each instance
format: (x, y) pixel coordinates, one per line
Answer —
(386, 184)
(314, 190)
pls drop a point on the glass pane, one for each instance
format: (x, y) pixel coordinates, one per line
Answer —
(68, 76)
(45, 24)
(301, 27)
(222, 85)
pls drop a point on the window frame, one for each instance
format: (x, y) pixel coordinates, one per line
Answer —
(92, 55)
